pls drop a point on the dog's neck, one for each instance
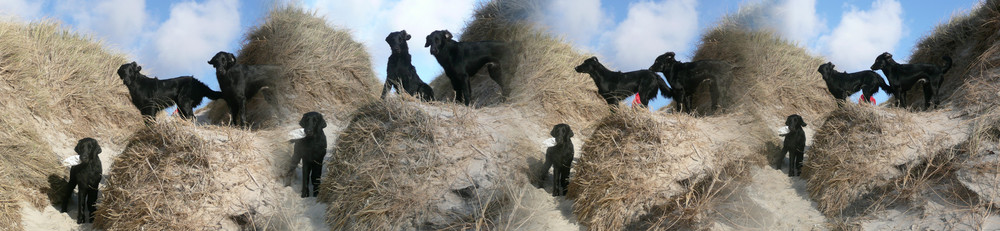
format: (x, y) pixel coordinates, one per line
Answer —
(402, 56)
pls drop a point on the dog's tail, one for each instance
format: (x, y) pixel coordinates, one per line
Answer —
(662, 85)
(881, 84)
(947, 64)
(207, 92)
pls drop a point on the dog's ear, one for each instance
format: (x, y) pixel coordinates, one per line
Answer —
(231, 59)
(407, 35)
(569, 132)
(447, 34)
(592, 59)
(320, 121)
(803, 122)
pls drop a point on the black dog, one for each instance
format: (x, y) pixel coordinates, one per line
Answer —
(684, 78)
(902, 77)
(151, 95)
(615, 86)
(311, 150)
(87, 175)
(239, 82)
(843, 84)
(795, 144)
(462, 60)
(400, 73)
(560, 159)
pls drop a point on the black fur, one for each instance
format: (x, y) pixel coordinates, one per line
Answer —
(240, 83)
(843, 84)
(311, 150)
(88, 176)
(615, 86)
(684, 78)
(902, 77)
(795, 144)
(400, 73)
(461, 60)
(151, 95)
(560, 159)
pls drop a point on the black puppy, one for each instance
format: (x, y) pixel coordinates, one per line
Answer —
(400, 72)
(87, 175)
(615, 86)
(902, 77)
(461, 60)
(239, 83)
(560, 159)
(843, 84)
(311, 150)
(684, 78)
(795, 144)
(151, 95)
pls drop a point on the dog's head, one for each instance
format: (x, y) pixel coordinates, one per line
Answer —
(88, 149)
(825, 69)
(795, 121)
(436, 40)
(881, 61)
(128, 72)
(663, 63)
(561, 132)
(397, 41)
(313, 123)
(223, 59)
(588, 65)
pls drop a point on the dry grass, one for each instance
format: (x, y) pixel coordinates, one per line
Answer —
(864, 159)
(661, 171)
(772, 77)
(538, 74)
(324, 69)
(58, 87)
(177, 175)
(971, 40)
(402, 164)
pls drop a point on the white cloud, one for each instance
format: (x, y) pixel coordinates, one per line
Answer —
(795, 20)
(117, 21)
(649, 30)
(20, 9)
(863, 35)
(191, 35)
(580, 21)
(371, 21)
(799, 20)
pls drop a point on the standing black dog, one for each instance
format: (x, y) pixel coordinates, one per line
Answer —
(461, 60)
(311, 150)
(150, 95)
(87, 175)
(560, 159)
(843, 84)
(684, 78)
(615, 86)
(795, 144)
(239, 83)
(400, 73)
(902, 77)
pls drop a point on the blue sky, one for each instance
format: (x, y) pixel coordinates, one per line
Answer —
(173, 38)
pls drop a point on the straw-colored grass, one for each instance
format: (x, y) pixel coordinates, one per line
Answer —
(971, 40)
(538, 73)
(324, 69)
(661, 171)
(177, 175)
(865, 158)
(57, 87)
(401, 164)
(772, 77)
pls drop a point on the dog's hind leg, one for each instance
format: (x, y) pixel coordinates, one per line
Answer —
(496, 75)
(930, 92)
